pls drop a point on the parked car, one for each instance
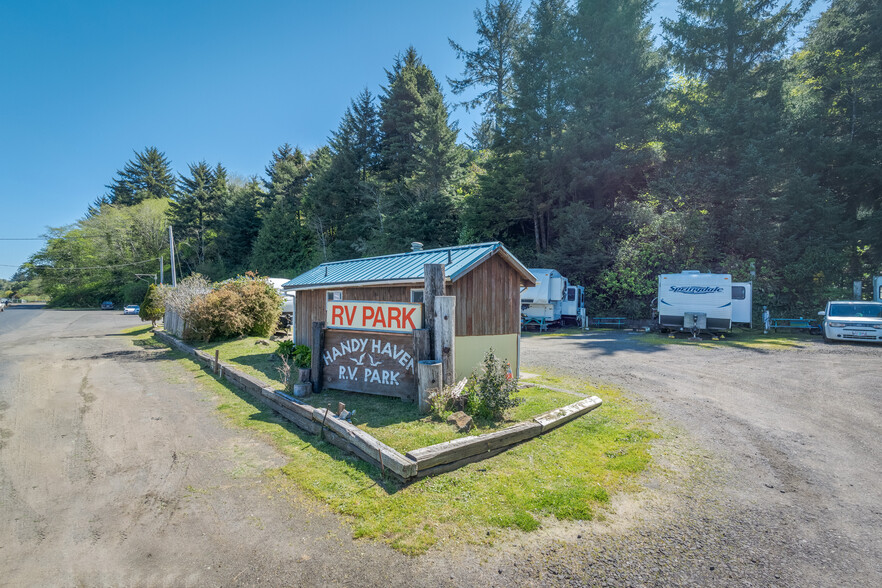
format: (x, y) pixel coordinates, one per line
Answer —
(107, 305)
(132, 309)
(851, 320)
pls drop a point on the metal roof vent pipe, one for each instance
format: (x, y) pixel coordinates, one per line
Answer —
(416, 246)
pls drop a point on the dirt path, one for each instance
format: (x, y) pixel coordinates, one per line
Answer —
(788, 450)
(116, 470)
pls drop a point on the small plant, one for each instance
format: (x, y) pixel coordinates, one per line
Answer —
(447, 399)
(285, 349)
(492, 391)
(302, 356)
(285, 372)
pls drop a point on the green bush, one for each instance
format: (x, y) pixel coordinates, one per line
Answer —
(248, 305)
(285, 349)
(302, 355)
(152, 308)
(492, 391)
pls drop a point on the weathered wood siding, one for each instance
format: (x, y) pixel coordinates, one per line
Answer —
(488, 300)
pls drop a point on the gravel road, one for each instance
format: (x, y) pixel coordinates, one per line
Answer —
(774, 456)
(115, 469)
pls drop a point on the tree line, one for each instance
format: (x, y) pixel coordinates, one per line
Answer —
(601, 151)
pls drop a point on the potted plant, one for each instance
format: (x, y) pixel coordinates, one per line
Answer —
(302, 356)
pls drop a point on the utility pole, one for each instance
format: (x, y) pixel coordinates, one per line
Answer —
(161, 270)
(171, 246)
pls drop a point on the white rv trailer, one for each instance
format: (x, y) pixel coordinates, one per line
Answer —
(287, 300)
(693, 301)
(553, 299)
(877, 289)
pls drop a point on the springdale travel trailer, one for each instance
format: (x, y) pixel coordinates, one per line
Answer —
(553, 300)
(695, 302)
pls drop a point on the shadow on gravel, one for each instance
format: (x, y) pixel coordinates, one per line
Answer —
(131, 355)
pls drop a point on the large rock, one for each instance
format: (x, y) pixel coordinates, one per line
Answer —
(462, 421)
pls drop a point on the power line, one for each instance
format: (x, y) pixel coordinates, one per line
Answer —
(49, 267)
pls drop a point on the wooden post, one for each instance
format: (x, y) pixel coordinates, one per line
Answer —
(428, 382)
(433, 286)
(422, 351)
(445, 331)
(318, 344)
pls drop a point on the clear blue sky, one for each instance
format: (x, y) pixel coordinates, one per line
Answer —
(85, 83)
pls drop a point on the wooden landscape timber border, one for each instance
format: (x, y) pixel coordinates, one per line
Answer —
(426, 461)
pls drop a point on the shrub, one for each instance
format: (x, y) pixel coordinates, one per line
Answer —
(260, 303)
(285, 349)
(152, 307)
(302, 355)
(491, 392)
(217, 315)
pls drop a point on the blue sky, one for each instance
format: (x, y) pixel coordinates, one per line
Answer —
(85, 83)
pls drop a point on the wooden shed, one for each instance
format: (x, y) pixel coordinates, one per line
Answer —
(485, 278)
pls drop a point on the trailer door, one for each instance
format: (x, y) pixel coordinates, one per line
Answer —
(742, 303)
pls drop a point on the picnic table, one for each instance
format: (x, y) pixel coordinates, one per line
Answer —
(539, 321)
(616, 322)
(793, 323)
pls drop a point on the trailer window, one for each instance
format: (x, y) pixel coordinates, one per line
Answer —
(571, 294)
(739, 292)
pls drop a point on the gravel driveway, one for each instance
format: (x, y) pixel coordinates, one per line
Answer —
(115, 469)
(774, 464)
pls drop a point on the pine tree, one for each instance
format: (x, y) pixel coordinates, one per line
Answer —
(240, 224)
(419, 156)
(195, 208)
(538, 118)
(286, 176)
(489, 67)
(617, 81)
(149, 175)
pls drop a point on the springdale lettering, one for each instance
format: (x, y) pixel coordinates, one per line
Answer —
(696, 289)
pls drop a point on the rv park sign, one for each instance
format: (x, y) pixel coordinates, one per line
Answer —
(369, 362)
(386, 317)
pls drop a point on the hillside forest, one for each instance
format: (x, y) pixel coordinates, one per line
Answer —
(724, 144)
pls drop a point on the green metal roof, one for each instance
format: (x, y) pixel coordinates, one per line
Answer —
(404, 267)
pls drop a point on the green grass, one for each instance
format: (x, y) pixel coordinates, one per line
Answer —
(739, 339)
(562, 332)
(569, 473)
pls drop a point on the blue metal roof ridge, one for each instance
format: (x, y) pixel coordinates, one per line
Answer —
(404, 267)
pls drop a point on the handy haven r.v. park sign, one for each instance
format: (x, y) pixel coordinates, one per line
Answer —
(369, 347)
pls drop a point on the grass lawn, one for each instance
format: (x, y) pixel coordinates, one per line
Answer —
(566, 474)
(739, 339)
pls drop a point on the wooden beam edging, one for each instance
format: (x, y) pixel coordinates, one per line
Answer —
(450, 455)
(425, 461)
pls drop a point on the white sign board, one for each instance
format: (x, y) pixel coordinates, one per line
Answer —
(387, 317)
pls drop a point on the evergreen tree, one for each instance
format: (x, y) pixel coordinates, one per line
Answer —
(149, 175)
(195, 208)
(284, 243)
(286, 176)
(489, 67)
(538, 118)
(617, 78)
(240, 224)
(419, 156)
(343, 195)
(152, 309)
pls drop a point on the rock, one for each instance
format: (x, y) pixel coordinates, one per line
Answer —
(462, 421)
